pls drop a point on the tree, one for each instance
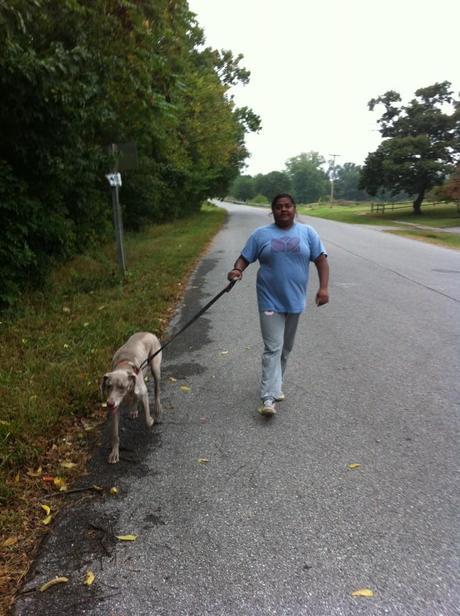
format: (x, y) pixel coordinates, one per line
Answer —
(308, 180)
(243, 188)
(346, 184)
(273, 183)
(76, 76)
(421, 143)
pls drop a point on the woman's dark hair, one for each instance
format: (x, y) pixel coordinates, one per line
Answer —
(281, 196)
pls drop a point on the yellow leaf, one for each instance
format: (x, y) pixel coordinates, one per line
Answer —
(172, 379)
(36, 473)
(60, 483)
(10, 541)
(47, 520)
(4, 423)
(126, 537)
(352, 467)
(46, 509)
(114, 490)
(85, 324)
(68, 464)
(17, 478)
(363, 592)
(203, 460)
(98, 488)
(185, 388)
(53, 582)
(89, 579)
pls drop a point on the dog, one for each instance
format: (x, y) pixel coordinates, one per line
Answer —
(126, 383)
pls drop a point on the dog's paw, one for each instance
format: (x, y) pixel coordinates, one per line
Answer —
(114, 457)
(150, 421)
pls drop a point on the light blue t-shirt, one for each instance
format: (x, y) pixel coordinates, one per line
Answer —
(284, 256)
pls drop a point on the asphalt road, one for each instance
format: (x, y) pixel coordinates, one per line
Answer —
(276, 522)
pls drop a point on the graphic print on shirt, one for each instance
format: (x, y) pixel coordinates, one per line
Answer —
(286, 244)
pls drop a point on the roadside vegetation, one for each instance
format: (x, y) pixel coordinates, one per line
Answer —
(55, 347)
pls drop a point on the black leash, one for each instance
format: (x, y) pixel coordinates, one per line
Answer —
(228, 288)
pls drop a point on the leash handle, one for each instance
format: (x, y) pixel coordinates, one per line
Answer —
(227, 289)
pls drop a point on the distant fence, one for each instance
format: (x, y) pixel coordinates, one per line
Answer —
(381, 207)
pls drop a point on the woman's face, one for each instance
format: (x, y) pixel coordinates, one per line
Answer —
(284, 212)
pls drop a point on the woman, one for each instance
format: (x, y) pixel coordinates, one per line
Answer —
(284, 250)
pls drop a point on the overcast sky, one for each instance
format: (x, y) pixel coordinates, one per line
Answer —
(315, 64)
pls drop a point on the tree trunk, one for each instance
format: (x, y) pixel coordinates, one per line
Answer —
(417, 204)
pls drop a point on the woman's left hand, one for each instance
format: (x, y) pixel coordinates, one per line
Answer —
(322, 297)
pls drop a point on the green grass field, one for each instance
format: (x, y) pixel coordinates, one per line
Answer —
(439, 216)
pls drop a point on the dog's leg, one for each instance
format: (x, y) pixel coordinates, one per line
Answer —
(144, 396)
(156, 373)
(114, 456)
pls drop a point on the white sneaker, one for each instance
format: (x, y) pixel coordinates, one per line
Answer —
(268, 408)
(280, 397)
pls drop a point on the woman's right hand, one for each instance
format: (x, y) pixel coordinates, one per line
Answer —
(235, 274)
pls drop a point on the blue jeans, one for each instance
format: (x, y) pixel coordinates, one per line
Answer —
(278, 333)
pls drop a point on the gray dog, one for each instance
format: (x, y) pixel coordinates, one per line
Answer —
(126, 383)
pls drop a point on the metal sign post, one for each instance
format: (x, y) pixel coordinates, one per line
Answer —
(115, 183)
(125, 155)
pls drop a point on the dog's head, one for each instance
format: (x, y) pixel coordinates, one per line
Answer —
(115, 386)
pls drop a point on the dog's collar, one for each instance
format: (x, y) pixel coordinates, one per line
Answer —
(135, 368)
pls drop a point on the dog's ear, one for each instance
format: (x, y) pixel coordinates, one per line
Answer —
(132, 382)
(103, 385)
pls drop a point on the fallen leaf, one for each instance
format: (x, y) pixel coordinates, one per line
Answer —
(203, 460)
(53, 582)
(48, 478)
(126, 537)
(352, 467)
(363, 592)
(68, 464)
(46, 509)
(60, 483)
(114, 490)
(98, 488)
(89, 579)
(172, 379)
(185, 388)
(17, 478)
(247, 348)
(9, 542)
(224, 352)
(47, 520)
(3, 422)
(65, 309)
(85, 324)
(204, 419)
(36, 473)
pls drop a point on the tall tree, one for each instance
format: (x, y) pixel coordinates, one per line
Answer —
(308, 180)
(421, 143)
(273, 183)
(346, 184)
(243, 188)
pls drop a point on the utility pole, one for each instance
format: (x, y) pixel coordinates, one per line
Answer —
(334, 156)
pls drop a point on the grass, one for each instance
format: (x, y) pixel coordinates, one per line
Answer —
(53, 352)
(441, 216)
(439, 238)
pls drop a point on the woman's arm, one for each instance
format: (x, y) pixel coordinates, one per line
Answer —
(237, 272)
(322, 297)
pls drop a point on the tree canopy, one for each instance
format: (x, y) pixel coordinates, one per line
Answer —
(421, 143)
(77, 76)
